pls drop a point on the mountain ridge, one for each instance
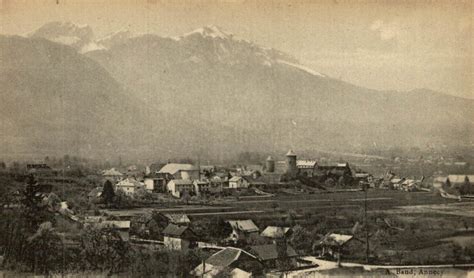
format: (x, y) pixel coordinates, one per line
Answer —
(212, 92)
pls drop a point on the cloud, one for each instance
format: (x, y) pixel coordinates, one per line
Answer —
(386, 31)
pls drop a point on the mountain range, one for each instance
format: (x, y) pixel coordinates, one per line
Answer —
(205, 93)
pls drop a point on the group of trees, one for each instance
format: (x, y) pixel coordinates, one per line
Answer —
(31, 242)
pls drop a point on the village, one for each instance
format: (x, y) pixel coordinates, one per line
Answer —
(283, 216)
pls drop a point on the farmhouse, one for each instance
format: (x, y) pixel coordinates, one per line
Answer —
(178, 187)
(241, 264)
(275, 255)
(306, 167)
(122, 227)
(178, 237)
(238, 182)
(331, 245)
(129, 186)
(242, 229)
(181, 171)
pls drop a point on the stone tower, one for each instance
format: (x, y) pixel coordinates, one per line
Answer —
(270, 165)
(291, 169)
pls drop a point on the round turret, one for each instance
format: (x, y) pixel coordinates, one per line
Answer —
(270, 165)
(291, 169)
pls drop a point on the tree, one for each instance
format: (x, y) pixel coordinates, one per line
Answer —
(329, 182)
(43, 249)
(30, 240)
(108, 193)
(219, 229)
(300, 238)
(122, 200)
(103, 249)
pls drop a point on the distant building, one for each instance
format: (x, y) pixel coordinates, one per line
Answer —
(129, 186)
(112, 175)
(217, 184)
(338, 169)
(270, 165)
(179, 186)
(242, 229)
(457, 180)
(306, 167)
(178, 237)
(201, 186)
(39, 170)
(291, 169)
(238, 182)
(157, 181)
(181, 171)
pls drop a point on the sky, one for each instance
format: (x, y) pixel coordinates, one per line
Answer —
(385, 45)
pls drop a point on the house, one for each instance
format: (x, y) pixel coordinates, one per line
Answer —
(157, 181)
(242, 229)
(178, 237)
(254, 170)
(241, 264)
(129, 186)
(334, 170)
(331, 245)
(39, 170)
(238, 182)
(275, 256)
(178, 218)
(121, 226)
(178, 187)
(217, 184)
(306, 167)
(181, 171)
(274, 232)
(112, 175)
(201, 186)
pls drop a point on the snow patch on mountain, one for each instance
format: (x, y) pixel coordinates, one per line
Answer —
(209, 31)
(301, 67)
(92, 46)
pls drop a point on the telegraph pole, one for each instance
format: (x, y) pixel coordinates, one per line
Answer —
(365, 188)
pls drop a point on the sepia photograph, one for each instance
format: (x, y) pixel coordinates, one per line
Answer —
(236, 138)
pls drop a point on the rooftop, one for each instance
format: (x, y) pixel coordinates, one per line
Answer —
(270, 252)
(243, 225)
(174, 168)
